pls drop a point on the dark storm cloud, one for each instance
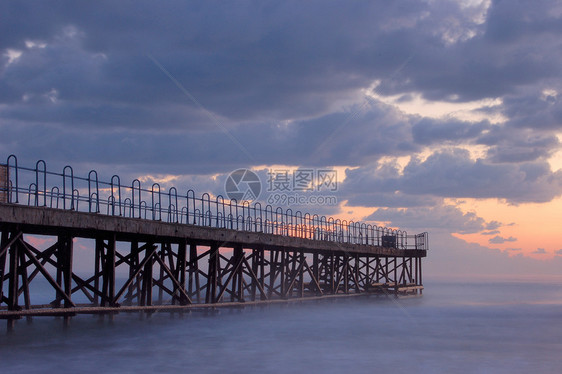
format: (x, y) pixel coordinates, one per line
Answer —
(511, 21)
(241, 60)
(95, 117)
(249, 61)
(346, 138)
(296, 40)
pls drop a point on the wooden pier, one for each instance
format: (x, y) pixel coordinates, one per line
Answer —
(213, 259)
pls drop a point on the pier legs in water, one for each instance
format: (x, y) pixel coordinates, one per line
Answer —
(142, 275)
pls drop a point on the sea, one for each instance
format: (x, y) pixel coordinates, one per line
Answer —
(457, 326)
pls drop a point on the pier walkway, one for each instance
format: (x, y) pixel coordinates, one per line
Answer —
(103, 247)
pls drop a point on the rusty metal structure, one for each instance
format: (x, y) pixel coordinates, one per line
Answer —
(155, 249)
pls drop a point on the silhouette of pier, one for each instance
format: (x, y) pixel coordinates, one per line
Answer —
(104, 247)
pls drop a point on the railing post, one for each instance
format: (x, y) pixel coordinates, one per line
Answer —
(10, 187)
(4, 183)
(64, 196)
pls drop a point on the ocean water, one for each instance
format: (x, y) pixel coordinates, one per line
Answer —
(476, 327)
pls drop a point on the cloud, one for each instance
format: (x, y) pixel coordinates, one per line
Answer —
(540, 251)
(445, 73)
(451, 256)
(271, 62)
(493, 232)
(429, 131)
(559, 252)
(439, 218)
(274, 72)
(537, 107)
(240, 61)
(453, 173)
(516, 145)
(218, 147)
(492, 225)
(499, 239)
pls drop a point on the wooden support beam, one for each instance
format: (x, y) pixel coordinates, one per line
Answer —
(345, 272)
(315, 273)
(295, 276)
(314, 279)
(108, 273)
(65, 250)
(257, 262)
(24, 280)
(212, 280)
(194, 273)
(420, 279)
(283, 273)
(239, 254)
(255, 279)
(9, 241)
(237, 260)
(13, 278)
(99, 246)
(396, 280)
(4, 241)
(180, 271)
(301, 274)
(161, 254)
(184, 298)
(147, 267)
(133, 266)
(273, 257)
(356, 275)
(135, 273)
(332, 273)
(45, 273)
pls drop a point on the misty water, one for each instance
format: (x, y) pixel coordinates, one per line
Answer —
(476, 327)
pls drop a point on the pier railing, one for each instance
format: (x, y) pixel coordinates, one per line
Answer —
(42, 188)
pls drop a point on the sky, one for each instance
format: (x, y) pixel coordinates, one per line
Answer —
(439, 115)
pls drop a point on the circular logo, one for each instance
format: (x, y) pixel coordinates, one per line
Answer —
(243, 185)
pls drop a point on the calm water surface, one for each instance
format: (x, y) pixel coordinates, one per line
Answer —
(499, 327)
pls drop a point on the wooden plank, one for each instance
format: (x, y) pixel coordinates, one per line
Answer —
(410, 288)
(4, 314)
